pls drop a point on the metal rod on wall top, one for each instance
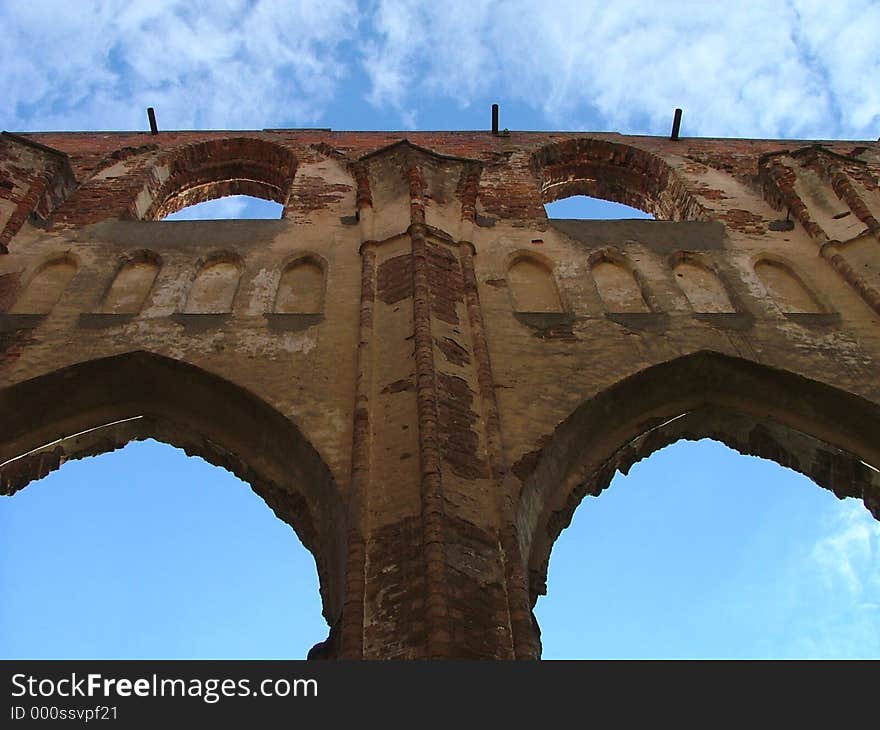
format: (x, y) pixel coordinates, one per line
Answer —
(494, 119)
(151, 113)
(676, 125)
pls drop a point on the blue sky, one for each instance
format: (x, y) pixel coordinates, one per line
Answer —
(802, 68)
(145, 552)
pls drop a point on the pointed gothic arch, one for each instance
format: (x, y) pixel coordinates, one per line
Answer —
(100, 405)
(825, 433)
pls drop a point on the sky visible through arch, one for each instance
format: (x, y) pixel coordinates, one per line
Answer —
(699, 552)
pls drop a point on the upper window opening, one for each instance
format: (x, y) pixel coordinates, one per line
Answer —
(609, 171)
(232, 207)
(583, 207)
(216, 169)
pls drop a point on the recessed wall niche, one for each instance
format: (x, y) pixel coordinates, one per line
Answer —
(46, 287)
(532, 286)
(131, 285)
(617, 285)
(214, 288)
(701, 286)
(301, 288)
(786, 288)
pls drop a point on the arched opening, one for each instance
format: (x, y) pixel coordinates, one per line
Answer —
(301, 288)
(532, 286)
(613, 172)
(216, 168)
(46, 287)
(821, 431)
(701, 552)
(148, 553)
(101, 405)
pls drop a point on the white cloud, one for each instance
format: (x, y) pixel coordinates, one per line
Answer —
(841, 583)
(800, 68)
(840, 39)
(222, 64)
(744, 69)
(848, 557)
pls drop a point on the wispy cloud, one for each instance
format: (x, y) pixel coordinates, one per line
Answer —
(743, 69)
(841, 578)
(847, 558)
(800, 68)
(421, 50)
(223, 63)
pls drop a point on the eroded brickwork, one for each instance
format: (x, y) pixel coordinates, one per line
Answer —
(474, 370)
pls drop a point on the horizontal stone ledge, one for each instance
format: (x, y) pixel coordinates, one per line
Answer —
(292, 321)
(727, 320)
(15, 322)
(814, 319)
(101, 320)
